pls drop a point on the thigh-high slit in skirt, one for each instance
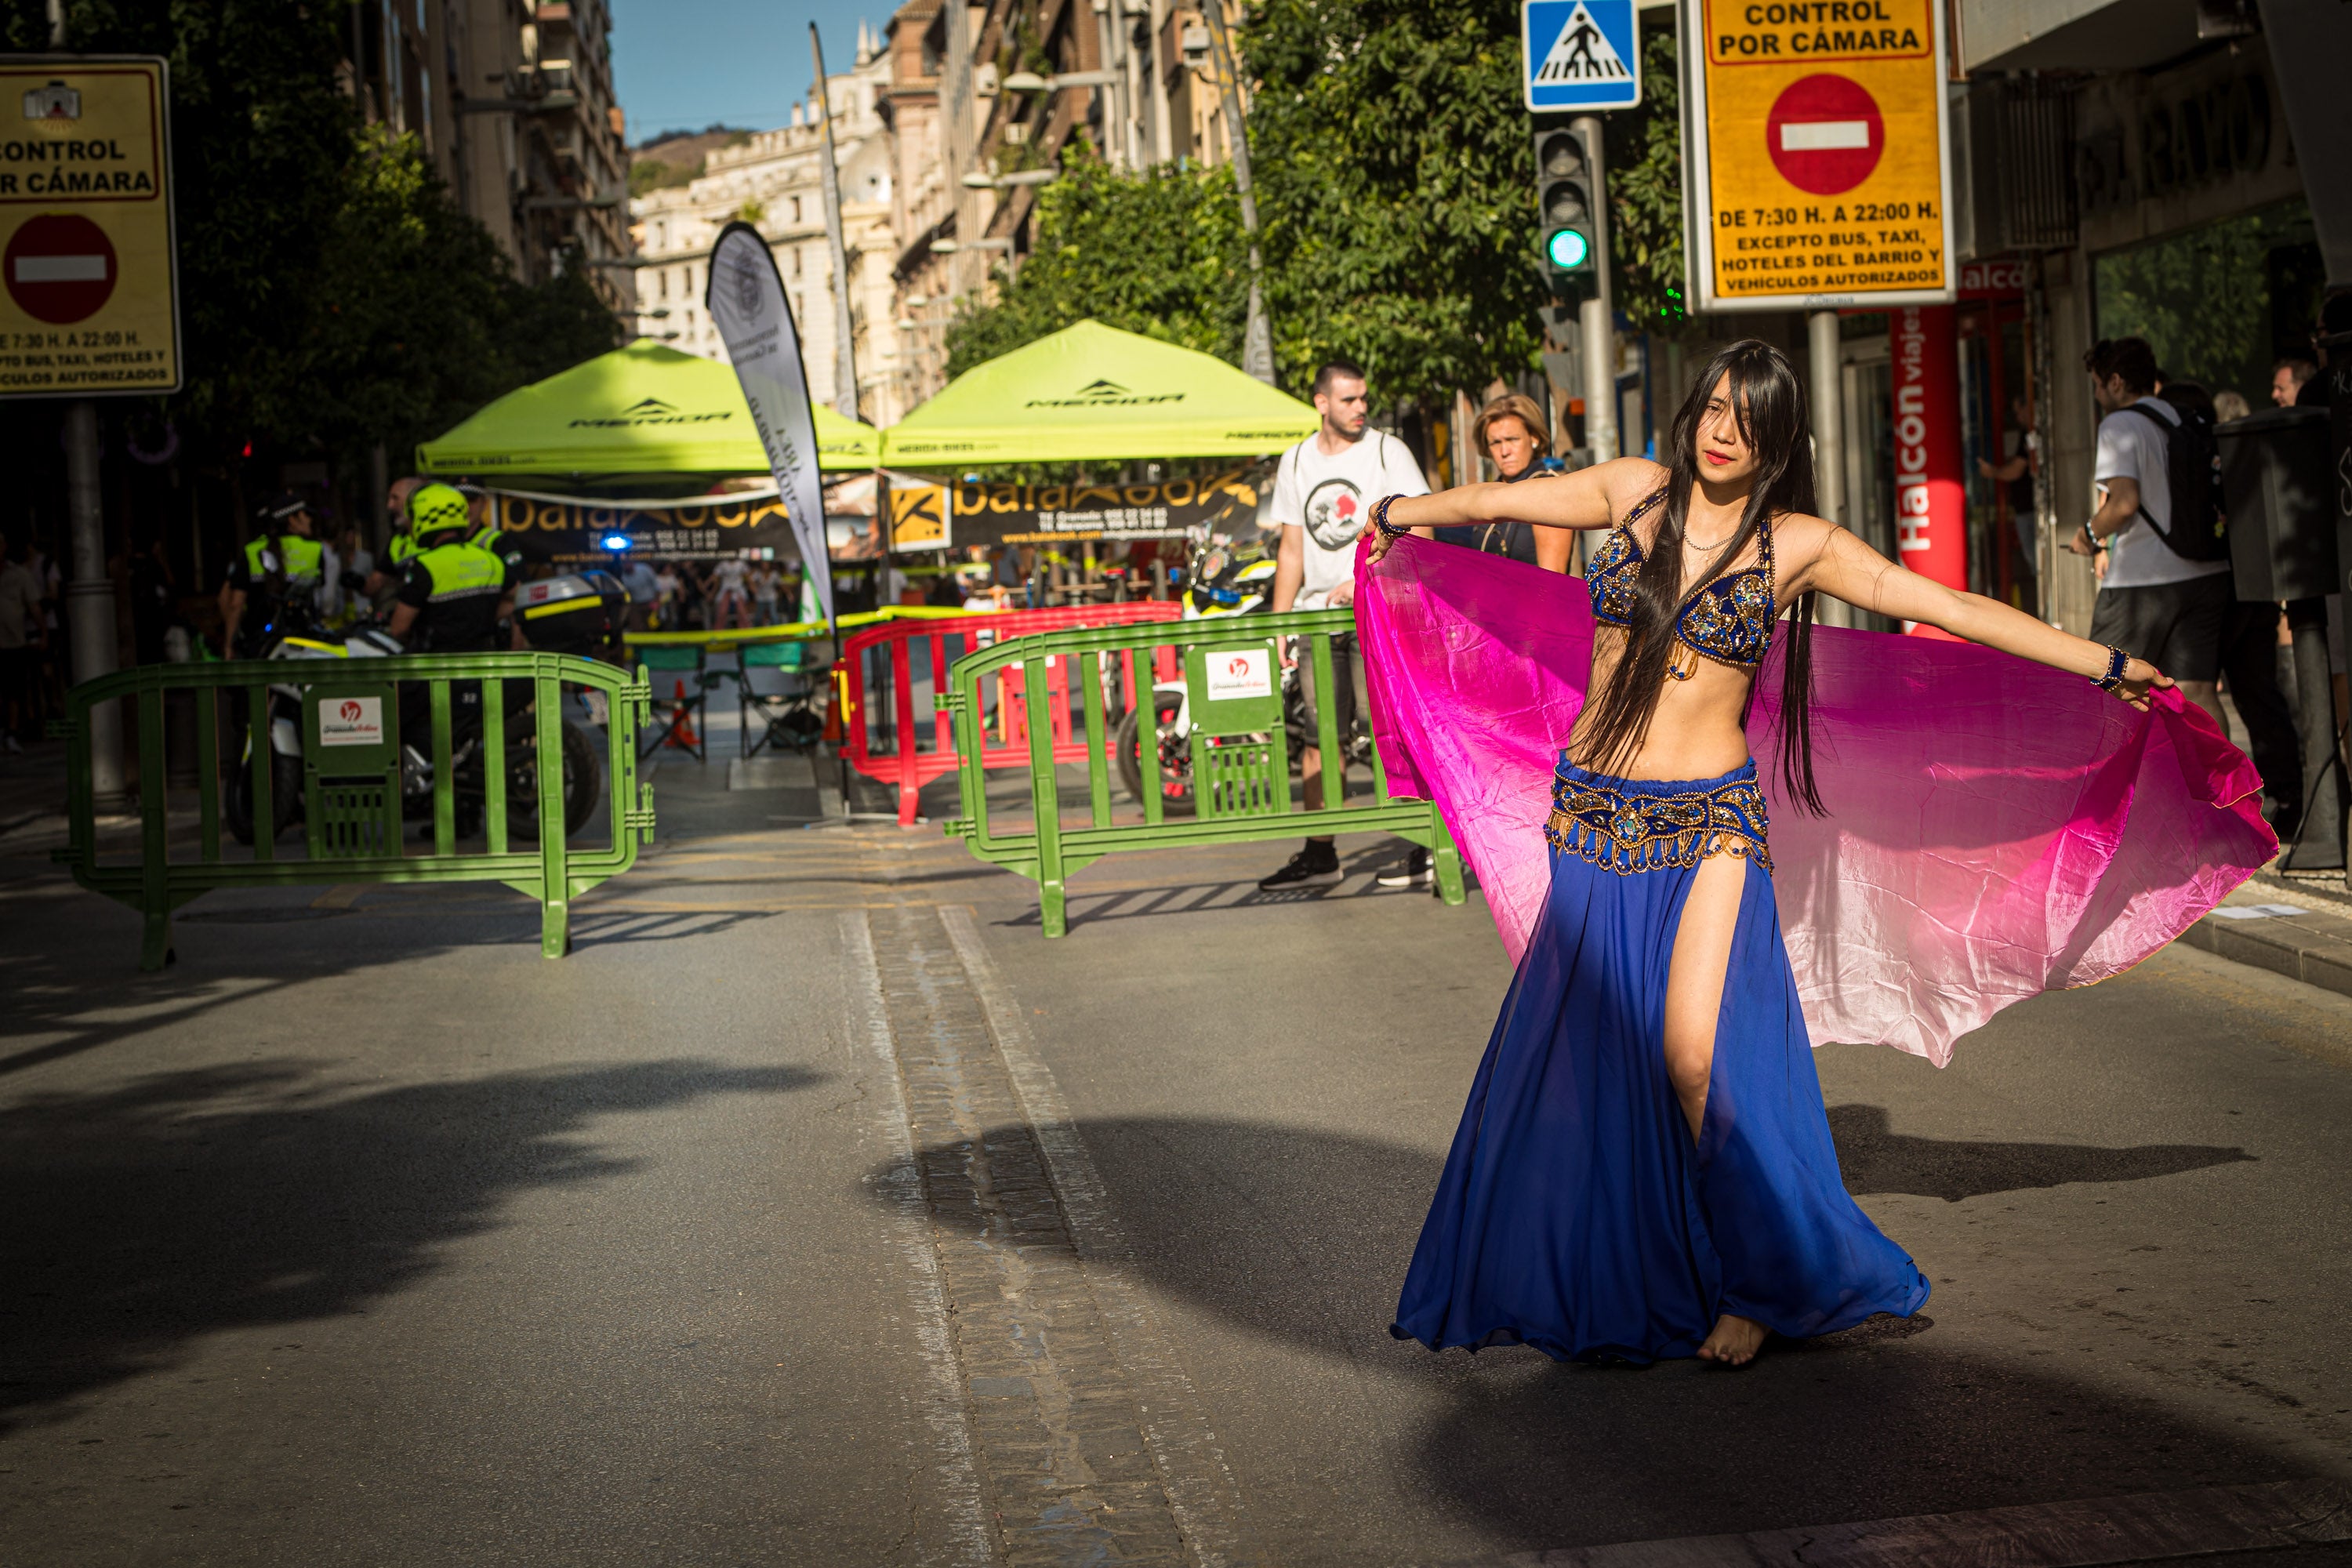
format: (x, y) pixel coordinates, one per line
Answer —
(1575, 1212)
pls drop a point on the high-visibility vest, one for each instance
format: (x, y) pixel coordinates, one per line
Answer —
(462, 569)
(302, 560)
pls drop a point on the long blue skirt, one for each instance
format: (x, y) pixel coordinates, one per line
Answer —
(1575, 1212)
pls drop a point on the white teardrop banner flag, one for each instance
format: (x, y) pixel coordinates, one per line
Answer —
(746, 301)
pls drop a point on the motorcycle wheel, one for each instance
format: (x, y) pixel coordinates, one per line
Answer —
(285, 797)
(584, 784)
(1175, 777)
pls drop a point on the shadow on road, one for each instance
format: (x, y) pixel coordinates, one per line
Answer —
(1878, 1160)
(69, 971)
(186, 1202)
(1302, 1236)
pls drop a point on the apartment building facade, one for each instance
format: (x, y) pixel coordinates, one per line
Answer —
(774, 181)
(513, 100)
(980, 103)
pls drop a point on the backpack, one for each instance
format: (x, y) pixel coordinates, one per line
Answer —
(2192, 471)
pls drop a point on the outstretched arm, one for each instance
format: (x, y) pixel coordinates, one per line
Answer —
(1580, 500)
(1850, 570)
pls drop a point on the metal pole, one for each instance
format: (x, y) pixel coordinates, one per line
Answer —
(1119, 131)
(89, 597)
(1828, 417)
(379, 509)
(2046, 498)
(1257, 338)
(958, 113)
(1163, 140)
(1597, 314)
(2319, 843)
(845, 361)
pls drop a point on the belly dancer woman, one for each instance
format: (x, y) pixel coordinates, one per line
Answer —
(1644, 1169)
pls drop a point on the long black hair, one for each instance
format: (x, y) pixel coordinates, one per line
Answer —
(1769, 400)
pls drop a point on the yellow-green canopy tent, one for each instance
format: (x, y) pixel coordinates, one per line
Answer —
(1094, 393)
(643, 409)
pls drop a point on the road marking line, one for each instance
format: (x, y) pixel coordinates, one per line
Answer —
(910, 1227)
(2151, 1527)
(341, 896)
(1200, 1487)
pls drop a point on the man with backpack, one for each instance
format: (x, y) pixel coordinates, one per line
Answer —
(2167, 595)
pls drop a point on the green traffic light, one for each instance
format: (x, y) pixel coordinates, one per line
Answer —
(1568, 249)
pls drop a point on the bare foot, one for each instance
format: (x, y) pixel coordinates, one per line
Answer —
(1734, 1343)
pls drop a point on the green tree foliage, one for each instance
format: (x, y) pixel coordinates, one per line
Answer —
(647, 176)
(1396, 188)
(2202, 299)
(330, 296)
(1159, 253)
(1395, 180)
(419, 319)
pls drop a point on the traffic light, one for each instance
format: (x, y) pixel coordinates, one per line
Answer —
(1564, 202)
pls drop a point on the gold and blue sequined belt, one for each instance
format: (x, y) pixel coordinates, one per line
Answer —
(1627, 826)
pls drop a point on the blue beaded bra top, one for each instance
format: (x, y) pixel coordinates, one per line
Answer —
(1728, 620)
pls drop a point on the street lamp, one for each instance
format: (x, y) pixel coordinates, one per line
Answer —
(978, 181)
(1030, 81)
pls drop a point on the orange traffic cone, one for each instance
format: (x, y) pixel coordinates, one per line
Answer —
(681, 727)
(832, 707)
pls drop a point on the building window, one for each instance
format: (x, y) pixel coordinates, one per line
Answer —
(797, 260)
(796, 209)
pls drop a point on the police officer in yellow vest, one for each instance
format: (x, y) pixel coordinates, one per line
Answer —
(453, 593)
(277, 578)
(398, 548)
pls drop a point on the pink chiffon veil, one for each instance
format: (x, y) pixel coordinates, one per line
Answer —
(1993, 828)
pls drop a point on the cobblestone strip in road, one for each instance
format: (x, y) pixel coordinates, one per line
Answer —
(1200, 1490)
(1090, 1447)
(963, 1538)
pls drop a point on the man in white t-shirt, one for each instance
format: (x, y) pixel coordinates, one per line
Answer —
(2153, 603)
(1323, 493)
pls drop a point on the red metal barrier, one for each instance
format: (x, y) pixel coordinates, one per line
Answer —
(883, 740)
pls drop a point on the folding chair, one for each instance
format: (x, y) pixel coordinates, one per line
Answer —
(678, 712)
(773, 684)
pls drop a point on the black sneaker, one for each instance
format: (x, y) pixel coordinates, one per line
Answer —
(1413, 873)
(1316, 866)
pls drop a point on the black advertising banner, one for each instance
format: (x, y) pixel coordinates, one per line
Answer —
(569, 530)
(939, 514)
(747, 302)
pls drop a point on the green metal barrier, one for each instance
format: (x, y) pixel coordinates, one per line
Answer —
(1238, 757)
(349, 779)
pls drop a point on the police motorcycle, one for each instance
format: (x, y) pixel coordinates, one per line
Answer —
(583, 614)
(1224, 578)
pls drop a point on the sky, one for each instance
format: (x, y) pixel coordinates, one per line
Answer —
(681, 65)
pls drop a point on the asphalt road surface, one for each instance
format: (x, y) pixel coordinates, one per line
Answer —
(817, 1209)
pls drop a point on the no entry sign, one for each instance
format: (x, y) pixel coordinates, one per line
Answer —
(1826, 134)
(88, 294)
(60, 268)
(1816, 135)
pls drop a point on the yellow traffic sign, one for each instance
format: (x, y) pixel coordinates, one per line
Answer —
(1818, 163)
(88, 271)
(921, 515)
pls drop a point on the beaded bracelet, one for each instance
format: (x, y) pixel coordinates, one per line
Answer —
(1381, 519)
(2116, 660)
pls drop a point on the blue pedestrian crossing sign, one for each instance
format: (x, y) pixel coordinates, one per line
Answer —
(1581, 54)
